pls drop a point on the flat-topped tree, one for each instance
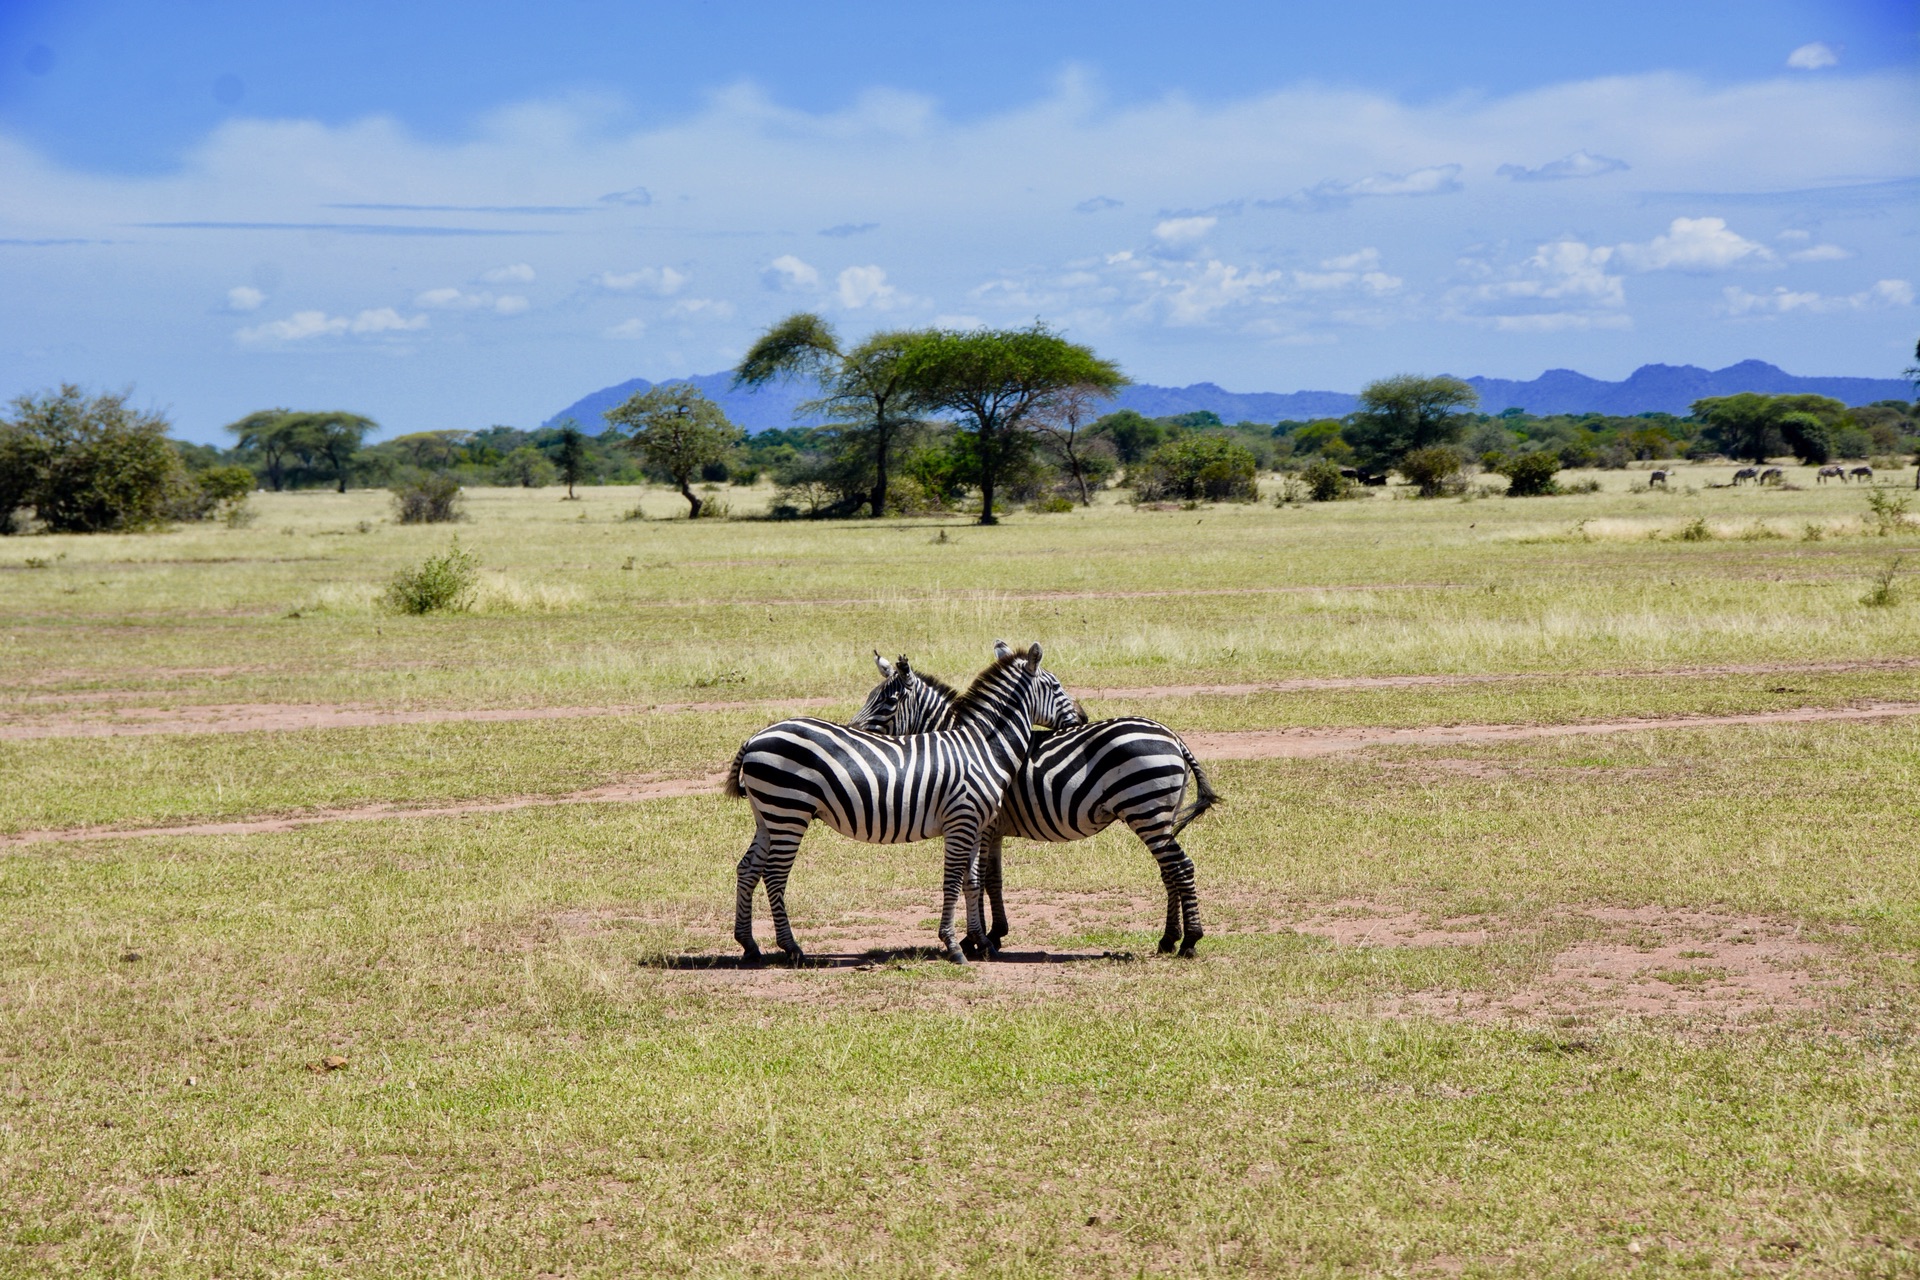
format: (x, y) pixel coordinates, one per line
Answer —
(996, 380)
(676, 429)
(1405, 414)
(265, 432)
(334, 435)
(862, 388)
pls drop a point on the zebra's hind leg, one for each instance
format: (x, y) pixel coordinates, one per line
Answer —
(746, 881)
(1183, 931)
(781, 848)
(990, 883)
(962, 871)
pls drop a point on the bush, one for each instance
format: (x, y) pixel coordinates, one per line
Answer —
(1051, 504)
(526, 467)
(432, 499)
(1196, 468)
(1430, 468)
(89, 465)
(1324, 482)
(442, 584)
(1531, 474)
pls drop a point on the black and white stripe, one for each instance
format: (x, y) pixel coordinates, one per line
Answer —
(892, 790)
(1075, 783)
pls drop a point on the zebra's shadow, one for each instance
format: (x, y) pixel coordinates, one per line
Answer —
(875, 958)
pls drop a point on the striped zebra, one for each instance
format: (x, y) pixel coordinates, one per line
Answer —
(891, 790)
(1073, 785)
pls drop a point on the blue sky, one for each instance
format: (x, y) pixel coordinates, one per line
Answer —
(452, 215)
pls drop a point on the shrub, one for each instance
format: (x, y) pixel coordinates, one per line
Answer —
(433, 499)
(1881, 594)
(1888, 511)
(1051, 504)
(89, 465)
(1696, 530)
(1430, 468)
(526, 467)
(1531, 474)
(442, 584)
(1210, 468)
(1324, 482)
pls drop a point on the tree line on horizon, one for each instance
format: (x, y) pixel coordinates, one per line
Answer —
(916, 421)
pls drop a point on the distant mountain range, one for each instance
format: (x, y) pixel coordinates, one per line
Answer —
(1667, 388)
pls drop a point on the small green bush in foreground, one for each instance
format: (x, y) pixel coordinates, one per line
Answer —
(442, 584)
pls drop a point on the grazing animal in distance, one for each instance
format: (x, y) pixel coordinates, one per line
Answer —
(1832, 473)
(1864, 474)
(1075, 783)
(885, 790)
(1773, 475)
(1656, 478)
(1745, 474)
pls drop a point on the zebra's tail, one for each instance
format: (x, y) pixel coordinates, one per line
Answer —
(1205, 797)
(733, 787)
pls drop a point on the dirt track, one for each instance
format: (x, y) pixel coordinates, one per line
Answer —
(284, 717)
(1257, 744)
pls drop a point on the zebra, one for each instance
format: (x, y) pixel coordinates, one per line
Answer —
(1656, 478)
(1744, 474)
(1773, 475)
(1863, 474)
(1832, 473)
(1073, 785)
(891, 790)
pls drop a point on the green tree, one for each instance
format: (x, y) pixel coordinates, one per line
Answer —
(996, 379)
(1134, 435)
(89, 464)
(863, 392)
(677, 430)
(1809, 439)
(1195, 467)
(1430, 467)
(526, 467)
(334, 435)
(265, 433)
(1753, 427)
(1531, 474)
(570, 456)
(1400, 414)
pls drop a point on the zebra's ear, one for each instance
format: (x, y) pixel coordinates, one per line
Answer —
(886, 668)
(904, 668)
(1033, 655)
(1003, 651)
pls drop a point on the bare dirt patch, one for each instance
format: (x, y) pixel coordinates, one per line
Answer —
(1362, 924)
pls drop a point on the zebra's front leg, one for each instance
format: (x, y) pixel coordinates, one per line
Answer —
(990, 882)
(781, 849)
(746, 881)
(962, 866)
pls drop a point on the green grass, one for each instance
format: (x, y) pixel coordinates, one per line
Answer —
(531, 1089)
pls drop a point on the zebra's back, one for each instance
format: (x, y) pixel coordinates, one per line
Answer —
(872, 788)
(1077, 782)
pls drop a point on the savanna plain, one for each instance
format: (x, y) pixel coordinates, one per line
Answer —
(1563, 905)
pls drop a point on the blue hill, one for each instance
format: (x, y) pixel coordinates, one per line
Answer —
(1651, 388)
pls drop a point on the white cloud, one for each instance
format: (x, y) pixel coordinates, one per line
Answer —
(302, 325)
(451, 299)
(664, 281)
(1563, 285)
(1693, 244)
(1581, 164)
(1819, 253)
(705, 308)
(516, 273)
(1332, 194)
(633, 328)
(1183, 230)
(1812, 57)
(1883, 294)
(867, 287)
(244, 298)
(1359, 260)
(788, 274)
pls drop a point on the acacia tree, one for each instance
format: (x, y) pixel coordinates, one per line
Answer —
(334, 435)
(677, 430)
(863, 390)
(1756, 427)
(997, 379)
(266, 432)
(1405, 413)
(1061, 422)
(571, 456)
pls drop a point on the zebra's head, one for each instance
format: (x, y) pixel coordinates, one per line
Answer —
(1047, 704)
(883, 710)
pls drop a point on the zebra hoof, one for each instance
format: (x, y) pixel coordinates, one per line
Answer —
(1186, 952)
(751, 958)
(970, 947)
(795, 957)
(1168, 942)
(955, 954)
(993, 944)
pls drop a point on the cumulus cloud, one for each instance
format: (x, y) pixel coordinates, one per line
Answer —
(1096, 205)
(1693, 244)
(1581, 164)
(702, 308)
(1882, 295)
(1564, 284)
(631, 198)
(1434, 180)
(633, 328)
(1812, 57)
(1360, 268)
(515, 273)
(788, 274)
(302, 325)
(1183, 230)
(663, 281)
(244, 298)
(845, 229)
(1819, 253)
(867, 288)
(451, 299)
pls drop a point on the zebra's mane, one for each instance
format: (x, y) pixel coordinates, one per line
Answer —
(939, 686)
(979, 695)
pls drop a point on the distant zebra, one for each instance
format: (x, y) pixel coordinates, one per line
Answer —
(1832, 473)
(1745, 473)
(1773, 475)
(1072, 786)
(1656, 478)
(1863, 474)
(886, 790)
